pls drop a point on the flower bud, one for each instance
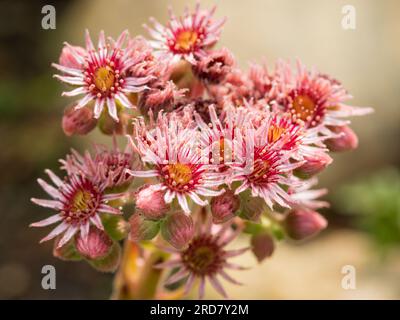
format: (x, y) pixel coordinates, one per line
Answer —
(110, 262)
(251, 207)
(67, 59)
(150, 201)
(178, 229)
(315, 164)
(109, 126)
(346, 142)
(262, 245)
(67, 252)
(214, 67)
(96, 245)
(115, 226)
(78, 121)
(303, 223)
(224, 206)
(142, 229)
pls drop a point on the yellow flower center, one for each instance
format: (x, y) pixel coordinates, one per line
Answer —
(186, 40)
(304, 107)
(81, 201)
(260, 171)
(274, 133)
(104, 78)
(180, 174)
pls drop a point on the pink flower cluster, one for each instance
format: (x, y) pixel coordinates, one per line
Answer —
(213, 151)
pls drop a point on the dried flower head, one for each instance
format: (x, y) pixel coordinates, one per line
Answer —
(108, 165)
(214, 67)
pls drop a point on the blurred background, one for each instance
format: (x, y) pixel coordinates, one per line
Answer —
(364, 219)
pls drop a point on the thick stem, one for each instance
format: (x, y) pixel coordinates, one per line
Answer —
(137, 278)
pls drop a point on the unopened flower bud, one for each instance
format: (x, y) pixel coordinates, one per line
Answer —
(95, 245)
(314, 164)
(251, 208)
(214, 67)
(224, 206)
(67, 252)
(150, 201)
(142, 229)
(262, 245)
(115, 226)
(303, 223)
(110, 262)
(346, 142)
(68, 59)
(109, 126)
(178, 229)
(78, 121)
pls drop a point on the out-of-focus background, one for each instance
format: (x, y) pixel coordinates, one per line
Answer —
(364, 230)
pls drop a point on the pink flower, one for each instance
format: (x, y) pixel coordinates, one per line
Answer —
(181, 168)
(102, 74)
(205, 258)
(79, 201)
(315, 99)
(265, 174)
(186, 37)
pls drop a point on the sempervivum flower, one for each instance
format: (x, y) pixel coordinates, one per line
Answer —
(78, 200)
(108, 165)
(102, 74)
(188, 36)
(276, 129)
(262, 169)
(180, 166)
(205, 258)
(315, 99)
(219, 134)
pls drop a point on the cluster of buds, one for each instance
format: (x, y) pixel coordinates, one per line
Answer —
(212, 151)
